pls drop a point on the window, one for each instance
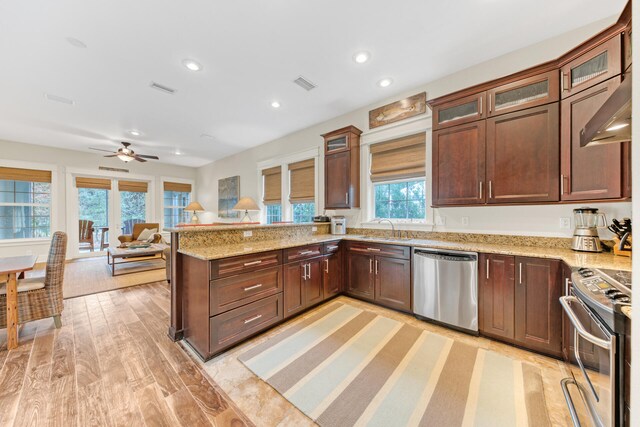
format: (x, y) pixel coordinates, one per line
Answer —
(176, 197)
(25, 209)
(400, 200)
(303, 212)
(274, 213)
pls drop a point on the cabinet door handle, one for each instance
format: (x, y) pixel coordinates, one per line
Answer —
(253, 319)
(370, 266)
(309, 274)
(567, 283)
(247, 264)
(487, 268)
(326, 266)
(373, 249)
(520, 271)
(376, 267)
(346, 198)
(259, 285)
(490, 190)
(489, 103)
(332, 248)
(480, 190)
(480, 105)
(305, 252)
(564, 84)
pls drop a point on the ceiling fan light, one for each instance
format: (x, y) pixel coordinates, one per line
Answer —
(125, 158)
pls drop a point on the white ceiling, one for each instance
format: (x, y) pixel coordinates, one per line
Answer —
(251, 52)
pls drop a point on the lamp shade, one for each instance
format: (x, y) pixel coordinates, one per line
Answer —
(246, 204)
(194, 207)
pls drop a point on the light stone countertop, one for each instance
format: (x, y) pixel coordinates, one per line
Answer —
(237, 226)
(572, 258)
(626, 311)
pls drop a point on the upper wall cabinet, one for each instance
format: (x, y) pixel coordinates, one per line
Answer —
(596, 65)
(626, 46)
(342, 168)
(526, 93)
(463, 110)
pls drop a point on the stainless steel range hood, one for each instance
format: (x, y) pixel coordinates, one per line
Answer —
(612, 122)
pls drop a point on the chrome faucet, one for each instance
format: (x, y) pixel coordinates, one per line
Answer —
(393, 229)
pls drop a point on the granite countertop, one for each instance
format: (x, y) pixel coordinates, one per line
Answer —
(626, 311)
(237, 226)
(572, 258)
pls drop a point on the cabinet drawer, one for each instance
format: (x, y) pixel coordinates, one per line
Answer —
(234, 325)
(243, 263)
(302, 252)
(394, 251)
(330, 247)
(232, 292)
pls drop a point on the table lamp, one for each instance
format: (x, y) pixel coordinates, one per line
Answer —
(246, 204)
(194, 207)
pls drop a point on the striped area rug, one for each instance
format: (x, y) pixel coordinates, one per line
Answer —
(344, 366)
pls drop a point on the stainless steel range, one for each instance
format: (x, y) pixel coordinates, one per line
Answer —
(593, 307)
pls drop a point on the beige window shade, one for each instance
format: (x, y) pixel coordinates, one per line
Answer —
(400, 158)
(99, 183)
(272, 185)
(135, 186)
(177, 186)
(302, 178)
(32, 175)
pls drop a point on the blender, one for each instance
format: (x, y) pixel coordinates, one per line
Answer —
(585, 235)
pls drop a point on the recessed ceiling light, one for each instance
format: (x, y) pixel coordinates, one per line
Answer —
(385, 82)
(76, 43)
(275, 104)
(361, 57)
(178, 153)
(134, 132)
(192, 64)
(57, 98)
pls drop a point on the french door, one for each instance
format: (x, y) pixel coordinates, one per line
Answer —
(106, 208)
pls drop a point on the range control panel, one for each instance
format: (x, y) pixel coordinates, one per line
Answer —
(601, 288)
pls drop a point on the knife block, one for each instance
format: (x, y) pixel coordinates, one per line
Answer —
(627, 247)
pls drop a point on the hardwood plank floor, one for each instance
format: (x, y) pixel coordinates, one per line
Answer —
(111, 364)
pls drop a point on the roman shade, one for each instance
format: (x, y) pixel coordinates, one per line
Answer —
(98, 183)
(31, 175)
(177, 186)
(302, 178)
(272, 185)
(134, 186)
(401, 158)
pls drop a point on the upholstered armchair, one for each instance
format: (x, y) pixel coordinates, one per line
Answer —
(40, 297)
(139, 228)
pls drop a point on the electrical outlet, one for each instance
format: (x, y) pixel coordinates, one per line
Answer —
(248, 233)
(465, 220)
(314, 228)
(565, 223)
(440, 220)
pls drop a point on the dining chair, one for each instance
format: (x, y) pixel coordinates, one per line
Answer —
(86, 233)
(40, 297)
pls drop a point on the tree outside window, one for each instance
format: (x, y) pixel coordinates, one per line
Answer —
(400, 200)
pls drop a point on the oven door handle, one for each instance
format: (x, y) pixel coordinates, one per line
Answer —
(566, 305)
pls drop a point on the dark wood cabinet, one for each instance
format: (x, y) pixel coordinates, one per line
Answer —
(393, 282)
(342, 168)
(523, 156)
(332, 274)
(594, 66)
(496, 296)
(589, 173)
(627, 58)
(360, 275)
(525, 93)
(458, 156)
(302, 286)
(463, 110)
(538, 313)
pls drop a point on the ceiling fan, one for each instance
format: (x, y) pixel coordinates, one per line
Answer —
(126, 154)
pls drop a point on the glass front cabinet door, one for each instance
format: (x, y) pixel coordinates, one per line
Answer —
(463, 110)
(526, 93)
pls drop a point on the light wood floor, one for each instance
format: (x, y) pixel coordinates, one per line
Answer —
(110, 364)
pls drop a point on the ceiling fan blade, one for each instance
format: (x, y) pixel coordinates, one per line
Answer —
(112, 155)
(138, 158)
(144, 156)
(100, 149)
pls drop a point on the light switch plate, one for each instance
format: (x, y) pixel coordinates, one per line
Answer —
(465, 220)
(565, 223)
(314, 228)
(440, 220)
(248, 233)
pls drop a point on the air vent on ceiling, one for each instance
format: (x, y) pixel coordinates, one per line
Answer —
(304, 83)
(56, 98)
(162, 88)
(104, 168)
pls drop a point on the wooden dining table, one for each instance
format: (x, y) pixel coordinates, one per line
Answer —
(10, 269)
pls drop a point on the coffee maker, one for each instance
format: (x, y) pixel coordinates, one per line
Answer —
(585, 235)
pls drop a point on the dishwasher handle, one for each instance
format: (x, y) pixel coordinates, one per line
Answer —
(446, 256)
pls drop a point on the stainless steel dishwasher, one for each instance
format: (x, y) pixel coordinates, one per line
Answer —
(445, 287)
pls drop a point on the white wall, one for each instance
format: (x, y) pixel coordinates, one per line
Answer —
(528, 220)
(62, 160)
